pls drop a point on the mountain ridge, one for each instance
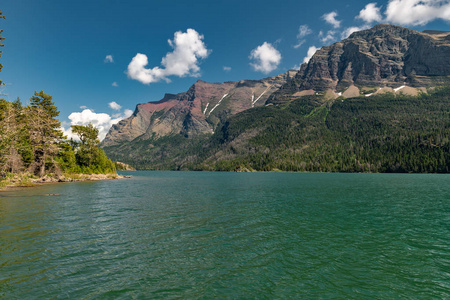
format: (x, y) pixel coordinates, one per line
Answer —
(196, 111)
(383, 56)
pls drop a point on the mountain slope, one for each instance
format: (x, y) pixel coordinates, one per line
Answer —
(195, 112)
(389, 133)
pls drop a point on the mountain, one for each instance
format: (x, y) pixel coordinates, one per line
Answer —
(195, 112)
(383, 57)
(375, 102)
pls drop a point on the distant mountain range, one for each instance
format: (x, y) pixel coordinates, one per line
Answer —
(285, 122)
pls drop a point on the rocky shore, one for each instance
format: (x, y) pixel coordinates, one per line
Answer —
(26, 180)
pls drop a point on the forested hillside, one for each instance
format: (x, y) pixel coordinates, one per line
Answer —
(383, 133)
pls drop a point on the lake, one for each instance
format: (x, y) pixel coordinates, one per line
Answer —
(233, 235)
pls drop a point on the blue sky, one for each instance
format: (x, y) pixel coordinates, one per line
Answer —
(76, 50)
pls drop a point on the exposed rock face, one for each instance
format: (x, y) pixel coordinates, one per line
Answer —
(196, 111)
(385, 55)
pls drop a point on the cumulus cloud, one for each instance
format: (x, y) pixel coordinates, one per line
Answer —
(109, 59)
(114, 105)
(330, 18)
(188, 48)
(370, 13)
(115, 84)
(417, 12)
(303, 31)
(348, 31)
(227, 69)
(100, 120)
(311, 51)
(266, 58)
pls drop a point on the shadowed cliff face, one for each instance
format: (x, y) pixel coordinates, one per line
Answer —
(385, 55)
(195, 112)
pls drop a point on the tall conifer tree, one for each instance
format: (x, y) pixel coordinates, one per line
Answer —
(44, 131)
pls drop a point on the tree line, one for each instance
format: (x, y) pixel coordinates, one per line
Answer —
(31, 141)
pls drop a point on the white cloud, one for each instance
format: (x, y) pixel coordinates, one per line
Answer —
(266, 58)
(115, 84)
(417, 12)
(83, 107)
(348, 31)
(299, 44)
(127, 113)
(371, 13)
(303, 31)
(328, 37)
(114, 105)
(100, 120)
(311, 51)
(330, 18)
(109, 59)
(227, 69)
(188, 48)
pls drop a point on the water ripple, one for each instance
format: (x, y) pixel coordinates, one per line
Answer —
(205, 235)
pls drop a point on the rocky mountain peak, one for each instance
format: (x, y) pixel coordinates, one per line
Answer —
(197, 111)
(383, 30)
(383, 56)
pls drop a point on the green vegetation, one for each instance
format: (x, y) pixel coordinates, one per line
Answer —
(382, 133)
(31, 143)
(120, 166)
(89, 157)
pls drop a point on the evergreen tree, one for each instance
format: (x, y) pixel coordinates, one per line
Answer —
(45, 134)
(13, 137)
(89, 156)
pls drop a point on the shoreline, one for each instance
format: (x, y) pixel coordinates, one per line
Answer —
(26, 180)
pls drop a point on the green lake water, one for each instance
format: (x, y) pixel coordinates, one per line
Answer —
(232, 235)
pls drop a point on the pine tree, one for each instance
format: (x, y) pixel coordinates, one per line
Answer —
(88, 154)
(12, 136)
(88, 145)
(44, 131)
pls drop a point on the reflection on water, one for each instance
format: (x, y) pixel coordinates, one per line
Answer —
(192, 235)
